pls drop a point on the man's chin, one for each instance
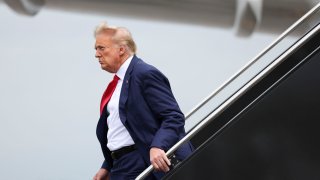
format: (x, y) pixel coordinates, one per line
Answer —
(106, 69)
(103, 67)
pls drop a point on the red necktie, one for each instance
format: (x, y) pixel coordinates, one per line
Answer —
(108, 92)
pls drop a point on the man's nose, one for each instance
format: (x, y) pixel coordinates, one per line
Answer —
(97, 54)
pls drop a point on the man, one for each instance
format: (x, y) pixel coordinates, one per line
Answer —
(142, 119)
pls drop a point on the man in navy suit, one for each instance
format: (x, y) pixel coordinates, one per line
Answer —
(142, 120)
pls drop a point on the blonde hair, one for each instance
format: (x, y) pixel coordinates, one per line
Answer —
(120, 35)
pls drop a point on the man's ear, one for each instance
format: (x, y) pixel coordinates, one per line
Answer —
(122, 50)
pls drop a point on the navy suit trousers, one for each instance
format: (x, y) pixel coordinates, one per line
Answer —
(129, 167)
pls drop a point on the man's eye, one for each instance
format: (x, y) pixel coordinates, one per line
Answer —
(99, 48)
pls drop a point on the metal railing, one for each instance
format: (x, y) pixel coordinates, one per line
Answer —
(242, 90)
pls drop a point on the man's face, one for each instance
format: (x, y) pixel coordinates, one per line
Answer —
(108, 53)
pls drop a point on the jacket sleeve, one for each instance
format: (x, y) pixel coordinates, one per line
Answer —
(158, 94)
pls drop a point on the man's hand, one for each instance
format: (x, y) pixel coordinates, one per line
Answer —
(102, 174)
(159, 160)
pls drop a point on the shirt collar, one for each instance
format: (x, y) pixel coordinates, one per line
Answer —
(123, 68)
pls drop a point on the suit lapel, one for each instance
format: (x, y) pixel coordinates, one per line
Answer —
(125, 90)
(102, 127)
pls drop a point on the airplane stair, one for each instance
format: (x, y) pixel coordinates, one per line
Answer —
(271, 131)
(267, 129)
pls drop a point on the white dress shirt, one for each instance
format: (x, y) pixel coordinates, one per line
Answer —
(118, 136)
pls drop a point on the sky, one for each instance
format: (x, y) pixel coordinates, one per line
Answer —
(51, 83)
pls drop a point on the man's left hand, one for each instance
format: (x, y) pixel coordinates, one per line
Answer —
(159, 160)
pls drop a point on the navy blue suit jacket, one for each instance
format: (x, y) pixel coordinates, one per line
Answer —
(149, 111)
